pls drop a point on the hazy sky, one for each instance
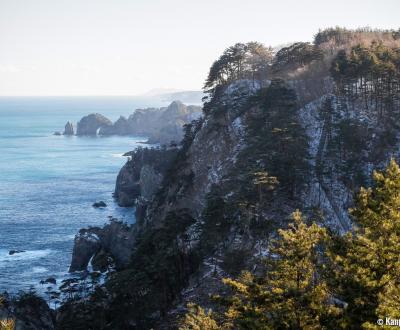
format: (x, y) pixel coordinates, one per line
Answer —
(124, 47)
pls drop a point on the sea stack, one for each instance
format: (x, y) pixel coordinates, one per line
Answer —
(69, 129)
(91, 124)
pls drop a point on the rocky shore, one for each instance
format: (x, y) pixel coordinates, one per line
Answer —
(142, 174)
(104, 247)
(159, 125)
(29, 312)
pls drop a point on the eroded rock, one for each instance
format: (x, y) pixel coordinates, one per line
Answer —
(112, 243)
(91, 124)
(69, 129)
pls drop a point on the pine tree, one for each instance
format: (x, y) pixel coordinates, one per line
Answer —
(263, 181)
(291, 295)
(198, 319)
(369, 271)
(6, 324)
(276, 141)
(215, 223)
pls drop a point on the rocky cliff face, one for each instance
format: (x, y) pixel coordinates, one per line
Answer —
(204, 216)
(142, 175)
(209, 158)
(29, 312)
(114, 241)
(91, 124)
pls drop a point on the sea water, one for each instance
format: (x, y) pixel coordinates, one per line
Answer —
(48, 183)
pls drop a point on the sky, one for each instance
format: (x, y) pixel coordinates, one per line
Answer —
(128, 47)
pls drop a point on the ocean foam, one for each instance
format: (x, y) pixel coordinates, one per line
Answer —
(117, 155)
(5, 257)
(37, 270)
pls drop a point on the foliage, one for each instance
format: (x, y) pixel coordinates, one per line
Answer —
(290, 294)
(215, 223)
(277, 143)
(198, 319)
(367, 271)
(370, 74)
(296, 55)
(8, 323)
(159, 269)
(241, 61)
(339, 36)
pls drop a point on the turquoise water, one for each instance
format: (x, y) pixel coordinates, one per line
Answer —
(48, 183)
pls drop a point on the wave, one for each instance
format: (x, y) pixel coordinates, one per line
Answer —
(37, 270)
(117, 155)
(5, 257)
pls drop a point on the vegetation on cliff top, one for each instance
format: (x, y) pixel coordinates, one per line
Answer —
(309, 277)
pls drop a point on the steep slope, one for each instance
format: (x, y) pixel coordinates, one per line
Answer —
(299, 135)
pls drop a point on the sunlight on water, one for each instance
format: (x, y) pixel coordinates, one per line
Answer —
(48, 183)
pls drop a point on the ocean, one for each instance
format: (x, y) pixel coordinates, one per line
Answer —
(48, 183)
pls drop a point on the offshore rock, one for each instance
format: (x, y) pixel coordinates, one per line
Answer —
(161, 125)
(12, 252)
(91, 124)
(100, 204)
(69, 129)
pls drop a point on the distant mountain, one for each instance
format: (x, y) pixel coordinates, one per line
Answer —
(191, 97)
(170, 94)
(161, 91)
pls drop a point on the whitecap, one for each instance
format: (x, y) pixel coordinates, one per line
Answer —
(117, 155)
(23, 256)
(37, 270)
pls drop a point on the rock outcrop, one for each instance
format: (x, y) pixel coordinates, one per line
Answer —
(114, 240)
(142, 175)
(210, 157)
(91, 124)
(69, 129)
(173, 118)
(159, 125)
(120, 127)
(86, 244)
(99, 204)
(12, 252)
(29, 312)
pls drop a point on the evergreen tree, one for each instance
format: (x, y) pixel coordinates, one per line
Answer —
(7, 323)
(276, 141)
(215, 223)
(264, 182)
(291, 295)
(368, 271)
(198, 319)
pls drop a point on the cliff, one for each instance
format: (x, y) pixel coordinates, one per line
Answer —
(28, 311)
(159, 125)
(142, 175)
(103, 247)
(295, 136)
